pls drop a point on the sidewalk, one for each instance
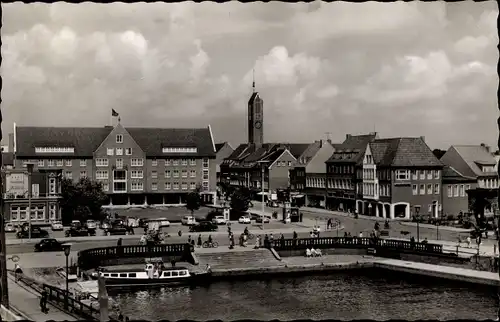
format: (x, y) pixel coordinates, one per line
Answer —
(27, 302)
(414, 224)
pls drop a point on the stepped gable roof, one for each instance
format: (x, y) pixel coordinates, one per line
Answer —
(85, 140)
(407, 152)
(7, 158)
(475, 155)
(153, 140)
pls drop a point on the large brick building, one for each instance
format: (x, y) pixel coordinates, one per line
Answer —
(134, 165)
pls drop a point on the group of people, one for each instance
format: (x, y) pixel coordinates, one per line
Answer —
(199, 241)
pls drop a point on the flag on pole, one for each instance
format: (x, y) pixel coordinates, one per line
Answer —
(114, 113)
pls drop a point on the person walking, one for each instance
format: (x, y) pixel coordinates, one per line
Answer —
(43, 303)
(199, 240)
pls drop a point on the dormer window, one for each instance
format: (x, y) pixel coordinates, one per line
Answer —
(119, 138)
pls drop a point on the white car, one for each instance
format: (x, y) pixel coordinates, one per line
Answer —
(10, 228)
(56, 225)
(163, 222)
(244, 220)
(91, 224)
(219, 220)
(188, 220)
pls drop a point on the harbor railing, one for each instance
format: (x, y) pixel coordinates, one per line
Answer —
(55, 294)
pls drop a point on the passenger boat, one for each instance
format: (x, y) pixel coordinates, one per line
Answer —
(152, 275)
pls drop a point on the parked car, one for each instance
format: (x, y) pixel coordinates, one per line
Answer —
(219, 220)
(48, 245)
(188, 220)
(245, 220)
(118, 230)
(10, 228)
(91, 224)
(56, 226)
(163, 222)
(75, 231)
(76, 223)
(261, 219)
(203, 226)
(36, 232)
(105, 225)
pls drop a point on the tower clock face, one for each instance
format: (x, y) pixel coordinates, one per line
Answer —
(258, 124)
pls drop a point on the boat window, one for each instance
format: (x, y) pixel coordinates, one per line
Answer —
(123, 275)
(105, 275)
(132, 275)
(114, 275)
(175, 273)
(182, 273)
(166, 274)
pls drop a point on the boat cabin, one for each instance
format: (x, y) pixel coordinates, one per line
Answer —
(150, 271)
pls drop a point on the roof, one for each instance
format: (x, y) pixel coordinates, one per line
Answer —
(309, 153)
(250, 151)
(7, 158)
(219, 146)
(452, 174)
(405, 152)
(86, 140)
(474, 155)
(352, 149)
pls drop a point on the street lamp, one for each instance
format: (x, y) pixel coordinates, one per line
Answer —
(29, 166)
(417, 211)
(262, 163)
(67, 251)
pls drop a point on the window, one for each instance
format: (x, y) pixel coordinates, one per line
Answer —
(436, 174)
(429, 207)
(179, 150)
(137, 186)
(52, 186)
(101, 174)
(429, 174)
(101, 162)
(154, 162)
(137, 162)
(462, 190)
(105, 186)
(192, 162)
(83, 163)
(54, 150)
(111, 151)
(422, 189)
(35, 190)
(205, 185)
(128, 151)
(168, 162)
(184, 162)
(467, 187)
(52, 211)
(175, 162)
(192, 185)
(176, 186)
(184, 173)
(69, 163)
(415, 189)
(192, 174)
(429, 189)
(436, 188)
(176, 173)
(205, 162)
(137, 174)
(119, 151)
(414, 174)
(450, 191)
(154, 186)
(119, 163)
(38, 213)
(422, 174)
(184, 186)
(455, 190)
(168, 186)
(402, 175)
(83, 174)
(167, 173)
(50, 163)
(205, 174)
(119, 138)
(289, 163)
(41, 163)
(68, 175)
(120, 175)
(59, 163)
(154, 174)
(119, 186)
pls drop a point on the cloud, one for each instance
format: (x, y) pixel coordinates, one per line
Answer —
(407, 68)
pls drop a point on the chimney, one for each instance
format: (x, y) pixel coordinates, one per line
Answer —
(422, 138)
(348, 136)
(11, 142)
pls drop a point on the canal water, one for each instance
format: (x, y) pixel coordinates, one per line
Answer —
(345, 296)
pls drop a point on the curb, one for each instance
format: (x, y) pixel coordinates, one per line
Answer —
(453, 229)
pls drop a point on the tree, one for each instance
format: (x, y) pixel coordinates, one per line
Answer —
(240, 201)
(81, 200)
(193, 201)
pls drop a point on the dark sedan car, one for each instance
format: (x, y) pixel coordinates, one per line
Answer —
(118, 230)
(48, 245)
(203, 226)
(35, 233)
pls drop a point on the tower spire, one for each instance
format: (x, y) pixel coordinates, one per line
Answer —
(253, 80)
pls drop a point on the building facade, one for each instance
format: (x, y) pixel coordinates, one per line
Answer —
(222, 150)
(455, 187)
(134, 165)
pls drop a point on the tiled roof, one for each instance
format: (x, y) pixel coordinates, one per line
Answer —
(473, 153)
(7, 158)
(309, 153)
(86, 140)
(248, 153)
(352, 149)
(451, 174)
(408, 152)
(359, 141)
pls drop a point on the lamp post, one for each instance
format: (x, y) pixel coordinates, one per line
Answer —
(417, 211)
(262, 164)
(29, 166)
(67, 251)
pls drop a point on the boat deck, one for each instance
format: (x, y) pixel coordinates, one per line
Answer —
(140, 267)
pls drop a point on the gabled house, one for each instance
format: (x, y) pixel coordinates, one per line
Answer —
(455, 187)
(222, 151)
(308, 176)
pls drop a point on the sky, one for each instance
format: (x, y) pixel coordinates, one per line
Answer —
(322, 69)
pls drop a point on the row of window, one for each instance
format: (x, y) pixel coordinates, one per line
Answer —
(54, 150)
(369, 189)
(315, 182)
(55, 163)
(283, 163)
(103, 162)
(341, 169)
(417, 174)
(457, 190)
(421, 190)
(369, 174)
(69, 174)
(119, 151)
(20, 213)
(488, 183)
(119, 186)
(340, 184)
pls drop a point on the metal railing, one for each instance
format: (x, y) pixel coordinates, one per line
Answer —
(92, 258)
(59, 296)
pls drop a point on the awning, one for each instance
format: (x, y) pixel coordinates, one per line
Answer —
(298, 196)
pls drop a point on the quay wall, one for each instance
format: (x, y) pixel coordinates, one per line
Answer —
(325, 251)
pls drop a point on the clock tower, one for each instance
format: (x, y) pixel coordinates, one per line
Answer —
(255, 119)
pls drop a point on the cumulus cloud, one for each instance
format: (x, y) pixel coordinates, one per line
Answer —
(406, 68)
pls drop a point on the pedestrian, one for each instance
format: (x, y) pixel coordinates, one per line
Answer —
(282, 240)
(199, 240)
(266, 241)
(189, 239)
(172, 262)
(43, 303)
(295, 236)
(120, 316)
(257, 242)
(231, 241)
